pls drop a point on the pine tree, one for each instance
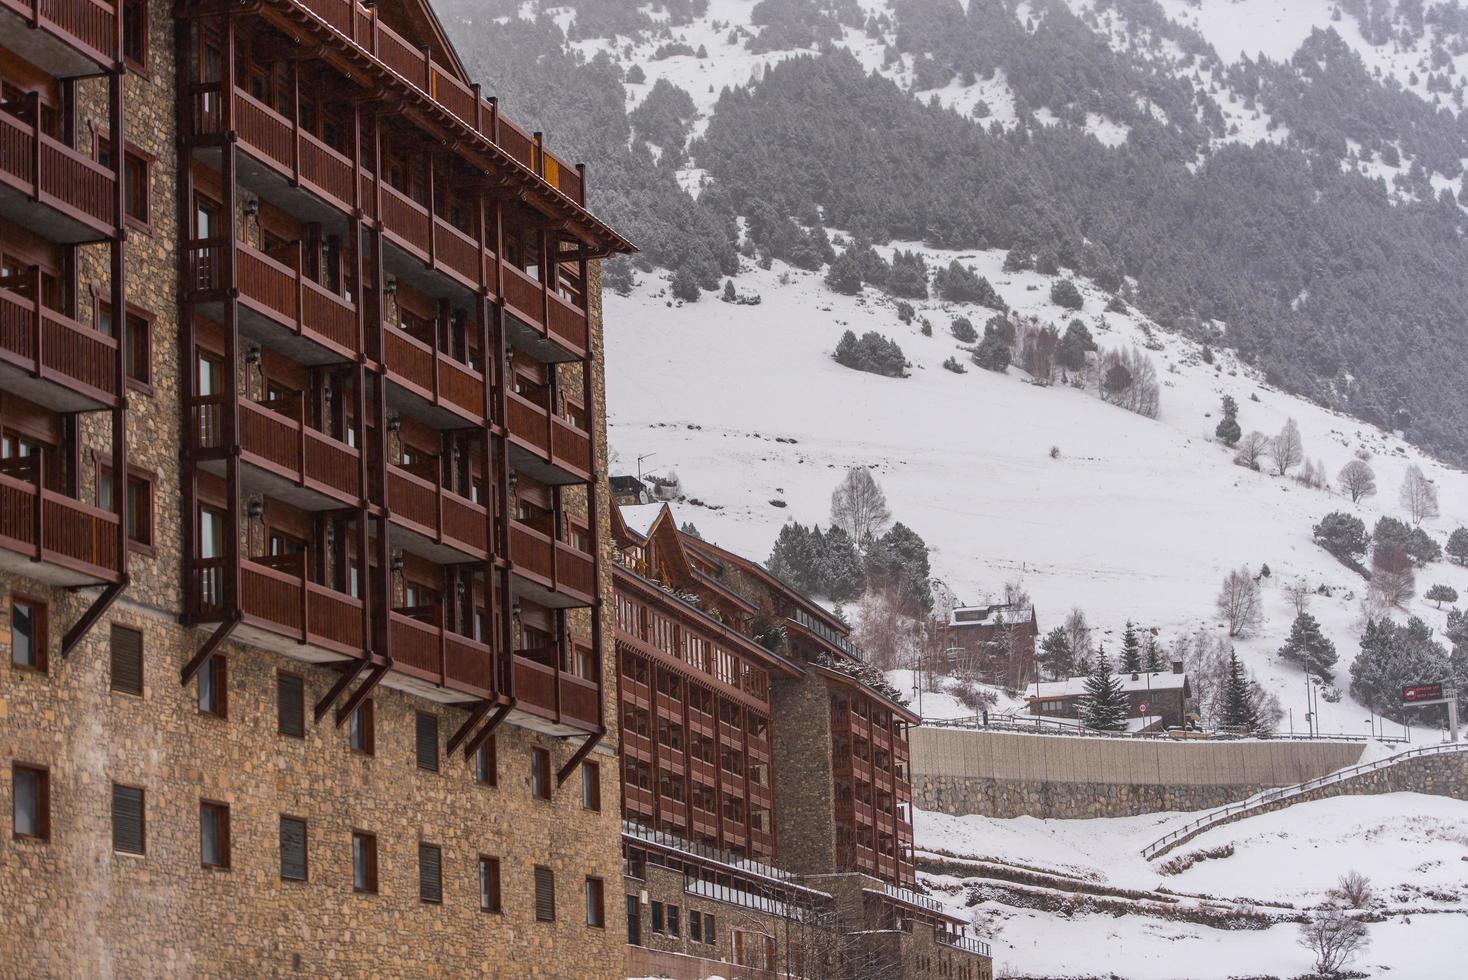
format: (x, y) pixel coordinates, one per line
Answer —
(1131, 650)
(1055, 654)
(1104, 706)
(1228, 429)
(1238, 705)
(1152, 653)
(1309, 647)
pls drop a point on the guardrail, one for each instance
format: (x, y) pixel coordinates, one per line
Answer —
(1275, 795)
(967, 943)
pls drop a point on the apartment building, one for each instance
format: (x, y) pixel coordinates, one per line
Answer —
(765, 786)
(304, 585)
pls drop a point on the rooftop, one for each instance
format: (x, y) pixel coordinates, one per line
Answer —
(1157, 680)
(997, 614)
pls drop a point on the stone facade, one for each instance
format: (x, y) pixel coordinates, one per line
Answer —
(804, 791)
(1066, 801)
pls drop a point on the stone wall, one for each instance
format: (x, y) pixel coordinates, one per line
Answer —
(1004, 774)
(804, 789)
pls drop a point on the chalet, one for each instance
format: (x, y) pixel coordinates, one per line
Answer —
(1150, 694)
(997, 641)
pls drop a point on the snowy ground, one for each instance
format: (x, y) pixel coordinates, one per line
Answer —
(1134, 518)
(1412, 847)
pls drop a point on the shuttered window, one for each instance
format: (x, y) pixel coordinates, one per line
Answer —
(290, 705)
(430, 873)
(293, 866)
(427, 741)
(489, 884)
(545, 894)
(127, 660)
(128, 825)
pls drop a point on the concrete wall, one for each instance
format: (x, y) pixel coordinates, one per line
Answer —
(1008, 775)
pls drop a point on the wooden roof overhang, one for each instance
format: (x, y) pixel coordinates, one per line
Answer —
(503, 174)
(907, 714)
(717, 554)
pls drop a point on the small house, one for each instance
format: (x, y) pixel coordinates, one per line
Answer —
(1161, 694)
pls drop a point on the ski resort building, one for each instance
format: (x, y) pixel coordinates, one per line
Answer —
(765, 786)
(304, 589)
(1158, 694)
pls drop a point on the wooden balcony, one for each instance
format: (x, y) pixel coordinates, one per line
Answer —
(555, 696)
(281, 608)
(424, 649)
(546, 446)
(50, 188)
(49, 536)
(426, 250)
(53, 360)
(637, 746)
(638, 799)
(541, 321)
(64, 38)
(431, 386)
(432, 521)
(280, 454)
(549, 571)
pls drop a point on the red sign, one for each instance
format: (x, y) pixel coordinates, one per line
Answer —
(1417, 693)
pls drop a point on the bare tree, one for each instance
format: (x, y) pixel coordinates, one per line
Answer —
(1298, 593)
(1252, 449)
(1078, 634)
(1286, 449)
(859, 507)
(1357, 479)
(886, 634)
(1334, 938)
(1353, 890)
(1239, 602)
(1126, 377)
(1393, 580)
(1419, 495)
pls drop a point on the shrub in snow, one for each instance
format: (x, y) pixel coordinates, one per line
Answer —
(1334, 938)
(872, 353)
(904, 312)
(953, 364)
(1343, 535)
(959, 284)
(963, 330)
(1352, 890)
(1065, 294)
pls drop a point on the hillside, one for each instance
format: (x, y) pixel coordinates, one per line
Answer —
(1134, 518)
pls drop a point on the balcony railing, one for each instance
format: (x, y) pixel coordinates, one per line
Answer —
(548, 313)
(50, 173)
(423, 648)
(821, 631)
(434, 376)
(544, 689)
(276, 438)
(966, 943)
(284, 294)
(551, 564)
(436, 513)
(78, 361)
(86, 25)
(276, 594)
(549, 437)
(49, 527)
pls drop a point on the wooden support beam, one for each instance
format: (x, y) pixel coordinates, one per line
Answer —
(476, 715)
(94, 612)
(342, 683)
(576, 760)
(207, 650)
(344, 711)
(495, 720)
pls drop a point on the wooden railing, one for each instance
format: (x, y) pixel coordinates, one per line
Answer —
(278, 438)
(416, 67)
(433, 375)
(535, 682)
(544, 688)
(47, 526)
(457, 253)
(554, 564)
(57, 348)
(87, 25)
(286, 295)
(56, 175)
(435, 512)
(407, 221)
(275, 592)
(424, 648)
(549, 436)
(292, 152)
(546, 310)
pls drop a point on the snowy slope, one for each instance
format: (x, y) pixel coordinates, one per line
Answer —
(1136, 518)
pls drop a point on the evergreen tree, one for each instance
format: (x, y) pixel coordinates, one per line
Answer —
(899, 559)
(1440, 594)
(1152, 653)
(793, 556)
(1131, 650)
(1064, 293)
(844, 275)
(1239, 712)
(1458, 546)
(1055, 654)
(841, 563)
(963, 331)
(1393, 656)
(1074, 345)
(1309, 647)
(1343, 535)
(1228, 430)
(992, 354)
(1104, 706)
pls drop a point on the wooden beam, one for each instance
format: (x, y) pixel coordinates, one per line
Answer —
(476, 715)
(89, 618)
(576, 760)
(472, 745)
(342, 683)
(207, 650)
(344, 711)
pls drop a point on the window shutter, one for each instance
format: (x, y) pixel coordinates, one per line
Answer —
(293, 849)
(290, 701)
(127, 819)
(430, 873)
(545, 894)
(427, 742)
(127, 660)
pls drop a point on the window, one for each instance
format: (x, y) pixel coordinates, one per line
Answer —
(290, 705)
(364, 863)
(214, 687)
(489, 884)
(31, 788)
(430, 874)
(293, 860)
(427, 741)
(127, 660)
(135, 34)
(214, 835)
(138, 352)
(28, 633)
(596, 912)
(709, 935)
(695, 925)
(591, 786)
(360, 730)
(485, 763)
(137, 508)
(673, 921)
(657, 917)
(545, 894)
(128, 825)
(540, 784)
(136, 178)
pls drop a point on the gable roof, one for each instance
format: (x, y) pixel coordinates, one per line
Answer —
(1072, 687)
(424, 27)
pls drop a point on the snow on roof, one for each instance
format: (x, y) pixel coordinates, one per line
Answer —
(998, 614)
(1157, 680)
(639, 517)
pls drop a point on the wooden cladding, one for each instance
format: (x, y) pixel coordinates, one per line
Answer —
(51, 527)
(58, 349)
(88, 26)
